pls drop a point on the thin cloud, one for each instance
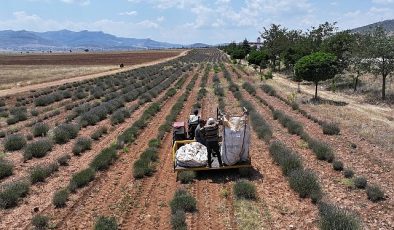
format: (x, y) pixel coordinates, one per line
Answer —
(128, 13)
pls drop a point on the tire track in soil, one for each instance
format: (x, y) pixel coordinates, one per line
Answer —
(280, 207)
(208, 185)
(115, 192)
(154, 212)
(374, 215)
(39, 193)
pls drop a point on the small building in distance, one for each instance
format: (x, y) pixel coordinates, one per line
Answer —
(258, 44)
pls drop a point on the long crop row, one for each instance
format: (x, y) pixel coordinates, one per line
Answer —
(106, 151)
(322, 150)
(301, 180)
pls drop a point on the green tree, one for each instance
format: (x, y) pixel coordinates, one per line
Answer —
(319, 34)
(238, 53)
(246, 47)
(316, 67)
(341, 44)
(275, 41)
(258, 58)
(381, 55)
(358, 61)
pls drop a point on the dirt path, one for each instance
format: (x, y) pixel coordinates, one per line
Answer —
(116, 192)
(12, 91)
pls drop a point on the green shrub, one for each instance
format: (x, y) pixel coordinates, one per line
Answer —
(12, 120)
(268, 75)
(119, 116)
(34, 113)
(37, 149)
(81, 179)
(19, 113)
(322, 150)
(40, 130)
(104, 159)
(141, 168)
(268, 89)
(348, 173)
(375, 193)
(294, 105)
(2, 134)
(360, 182)
(150, 154)
(334, 218)
(65, 132)
(249, 88)
(11, 193)
(81, 145)
(331, 128)
(183, 201)
(40, 222)
(29, 137)
(295, 127)
(106, 223)
(154, 143)
(178, 220)
(186, 177)
(40, 173)
(245, 190)
(6, 168)
(63, 160)
(304, 183)
(337, 165)
(14, 142)
(60, 198)
(277, 114)
(283, 156)
(96, 135)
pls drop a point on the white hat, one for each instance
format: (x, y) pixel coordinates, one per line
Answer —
(211, 121)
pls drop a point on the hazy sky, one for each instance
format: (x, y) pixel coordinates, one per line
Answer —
(188, 21)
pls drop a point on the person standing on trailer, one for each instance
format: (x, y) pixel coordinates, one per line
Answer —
(198, 135)
(192, 124)
(211, 135)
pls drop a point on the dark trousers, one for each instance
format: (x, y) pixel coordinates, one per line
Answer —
(213, 146)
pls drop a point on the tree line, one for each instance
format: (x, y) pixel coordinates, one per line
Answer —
(320, 53)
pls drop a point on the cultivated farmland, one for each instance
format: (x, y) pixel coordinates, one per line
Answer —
(97, 152)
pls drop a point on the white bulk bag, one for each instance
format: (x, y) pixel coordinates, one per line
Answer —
(236, 138)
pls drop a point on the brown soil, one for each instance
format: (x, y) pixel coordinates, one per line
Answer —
(281, 207)
(116, 192)
(146, 62)
(214, 210)
(105, 58)
(41, 195)
(366, 160)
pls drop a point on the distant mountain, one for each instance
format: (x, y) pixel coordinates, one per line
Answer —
(388, 25)
(66, 39)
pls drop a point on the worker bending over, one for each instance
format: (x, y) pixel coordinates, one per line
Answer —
(211, 135)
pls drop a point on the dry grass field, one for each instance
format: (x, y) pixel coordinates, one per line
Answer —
(22, 75)
(18, 70)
